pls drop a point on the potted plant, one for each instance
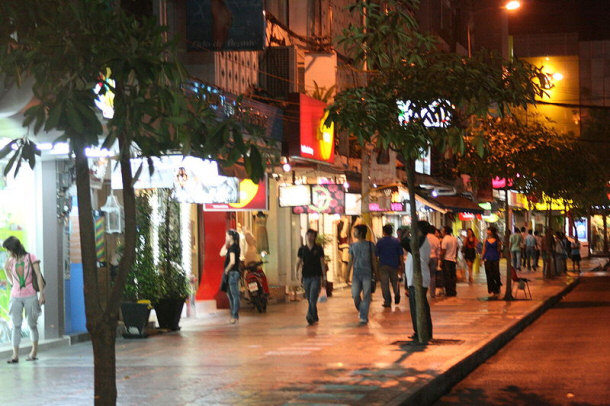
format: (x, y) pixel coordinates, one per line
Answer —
(174, 283)
(142, 286)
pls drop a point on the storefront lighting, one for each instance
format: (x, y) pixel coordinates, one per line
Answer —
(95, 152)
(286, 167)
(346, 185)
(434, 193)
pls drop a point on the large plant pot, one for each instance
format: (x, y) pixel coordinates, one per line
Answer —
(135, 317)
(169, 312)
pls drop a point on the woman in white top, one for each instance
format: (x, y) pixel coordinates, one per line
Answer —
(424, 253)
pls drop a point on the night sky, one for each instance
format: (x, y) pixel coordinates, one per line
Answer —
(591, 18)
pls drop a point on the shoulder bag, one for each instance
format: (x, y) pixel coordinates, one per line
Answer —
(35, 277)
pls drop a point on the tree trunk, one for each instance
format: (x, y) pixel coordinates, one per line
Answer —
(103, 338)
(508, 294)
(423, 330)
(101, 328)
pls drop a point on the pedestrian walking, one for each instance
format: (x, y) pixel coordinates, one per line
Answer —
(435, 250)
(523, 255)
(23, 271)
(424, 254)
(530, 250)
(389, 252)
(539, 243)
(449, 249)
(575, 254)
(560, 254)
(492, 251)
(362, 259)
(311, 267)
(515, 249)
(232, 272)
(469, 250)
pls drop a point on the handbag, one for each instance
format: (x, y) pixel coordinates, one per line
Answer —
(34, 276)
(224, 282)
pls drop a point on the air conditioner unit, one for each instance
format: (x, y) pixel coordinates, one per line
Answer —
(279, 72)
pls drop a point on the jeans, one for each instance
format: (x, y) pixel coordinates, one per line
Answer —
(536, 258)
(312, 291)
(389, 275)
(32, 311)
(530, 253)
(413, 309)
(449, 277)
(362, 283)
(233, 293)
(492, 272)
(433, 264)
(516, 259)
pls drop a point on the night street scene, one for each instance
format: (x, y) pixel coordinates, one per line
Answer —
(304, 202)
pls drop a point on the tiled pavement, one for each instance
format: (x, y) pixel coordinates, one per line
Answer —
(276, 359)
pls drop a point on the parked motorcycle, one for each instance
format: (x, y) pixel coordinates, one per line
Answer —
(256, 286)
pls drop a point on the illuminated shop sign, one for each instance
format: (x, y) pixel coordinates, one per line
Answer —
(252, 196)
(325, 199)
(294, 195)
(394, 206)
(433, 116)
(307, 136)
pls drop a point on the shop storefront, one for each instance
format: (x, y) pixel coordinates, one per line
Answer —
(29, 210)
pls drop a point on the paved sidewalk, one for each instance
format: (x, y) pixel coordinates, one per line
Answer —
(276, 359)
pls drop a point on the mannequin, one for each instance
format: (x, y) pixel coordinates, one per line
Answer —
(342, 241)
(251, 254)
(260, 232)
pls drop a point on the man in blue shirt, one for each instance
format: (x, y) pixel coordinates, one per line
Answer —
(389, 252)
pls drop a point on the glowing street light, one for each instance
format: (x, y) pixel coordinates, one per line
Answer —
(512, 5)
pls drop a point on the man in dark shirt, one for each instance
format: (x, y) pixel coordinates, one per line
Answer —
(389, 252)
(311, 265)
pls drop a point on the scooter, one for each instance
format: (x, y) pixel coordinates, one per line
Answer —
(257, 288)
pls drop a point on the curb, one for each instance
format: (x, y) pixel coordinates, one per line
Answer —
(431, 391)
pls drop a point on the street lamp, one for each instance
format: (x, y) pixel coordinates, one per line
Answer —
(512, 5)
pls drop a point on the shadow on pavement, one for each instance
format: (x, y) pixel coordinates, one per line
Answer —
(508, 396)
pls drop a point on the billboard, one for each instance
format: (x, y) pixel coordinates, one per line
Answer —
(310, 138)
(225, 25)
(252, 196)
(193, 180)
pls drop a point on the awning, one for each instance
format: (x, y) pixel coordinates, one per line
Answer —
(430, 204)
(458, 204)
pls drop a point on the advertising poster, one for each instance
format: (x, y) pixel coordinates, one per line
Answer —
(225, 25)
(325, 199)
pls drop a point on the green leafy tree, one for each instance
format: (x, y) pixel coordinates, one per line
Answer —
(527, 151)
(404, 65)
(69, 46)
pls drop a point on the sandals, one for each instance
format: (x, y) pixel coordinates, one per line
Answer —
(30, 358)
(13, 361)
